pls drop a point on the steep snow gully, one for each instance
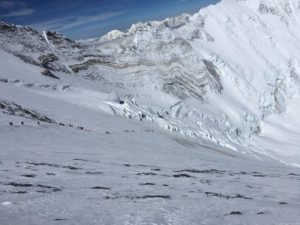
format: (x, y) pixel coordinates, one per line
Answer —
(189, 120)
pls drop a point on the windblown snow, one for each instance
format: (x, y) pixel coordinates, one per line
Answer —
(190, 120)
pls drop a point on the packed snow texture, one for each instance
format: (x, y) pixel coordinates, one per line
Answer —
(190, 120)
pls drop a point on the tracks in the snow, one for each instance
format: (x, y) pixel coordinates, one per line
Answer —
(149, 182)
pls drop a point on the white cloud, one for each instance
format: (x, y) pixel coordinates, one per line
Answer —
(15, 9)
(20, 12)
(7, 5)
(66, 23)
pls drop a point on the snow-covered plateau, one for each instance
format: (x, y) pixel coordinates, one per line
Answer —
(190, 120)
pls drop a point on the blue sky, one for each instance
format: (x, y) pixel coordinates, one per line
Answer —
(80, 19)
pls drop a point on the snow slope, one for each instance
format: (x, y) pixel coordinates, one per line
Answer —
(71, 162)
(190, 120)
(280, 135)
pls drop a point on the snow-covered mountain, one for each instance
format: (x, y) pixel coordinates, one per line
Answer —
(215, 75)
(225, 68)
(214, 91)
